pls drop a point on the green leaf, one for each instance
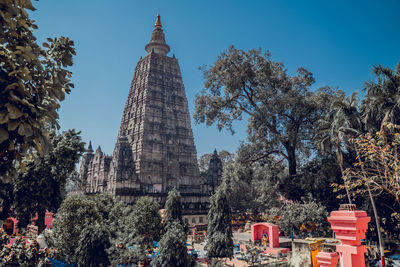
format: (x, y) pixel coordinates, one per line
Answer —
(3, 117)
(3, 135)
(21, 129)
(28, 130)
(12, 125)
(14, 112)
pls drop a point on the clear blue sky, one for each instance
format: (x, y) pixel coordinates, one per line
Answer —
(338, 41)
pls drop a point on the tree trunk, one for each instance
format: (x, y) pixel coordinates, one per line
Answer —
(291, 158)
(340, 160)
(378, 226)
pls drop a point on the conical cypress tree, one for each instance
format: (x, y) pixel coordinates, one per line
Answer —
(220, 243)
(144, 224)
(173, 251)
(173, 208)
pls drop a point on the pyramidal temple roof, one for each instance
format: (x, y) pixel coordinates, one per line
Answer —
(157, 42)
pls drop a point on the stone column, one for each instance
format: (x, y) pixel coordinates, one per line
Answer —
(328, 259)
(350, 226)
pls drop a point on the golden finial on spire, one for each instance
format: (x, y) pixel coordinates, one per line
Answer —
(158, 21)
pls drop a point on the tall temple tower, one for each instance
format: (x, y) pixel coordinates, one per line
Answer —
(156, 121)
(155, 149)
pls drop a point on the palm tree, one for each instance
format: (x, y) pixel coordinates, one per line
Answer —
(342, 122)
(382, 98)
(381, 105)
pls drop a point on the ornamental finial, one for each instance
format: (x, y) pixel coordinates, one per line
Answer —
(158, 21)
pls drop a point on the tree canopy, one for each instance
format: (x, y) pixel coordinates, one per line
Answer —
(303, 218)
(173, 250)
(382, 99)
(173, 208)
(281, 108)
(220, 243)
(85, 227)
(42, 186)
(378, 163)
(75, 214)
(144, 224)
(33, 80)
(251, 187)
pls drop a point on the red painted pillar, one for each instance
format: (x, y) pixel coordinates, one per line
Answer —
(328, 259)
(350, 226)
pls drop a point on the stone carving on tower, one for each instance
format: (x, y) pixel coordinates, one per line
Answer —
(155, 149)
(122, 178)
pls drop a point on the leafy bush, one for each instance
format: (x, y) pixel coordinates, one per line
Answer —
(86, 227)
(22, 254)
(304, 218)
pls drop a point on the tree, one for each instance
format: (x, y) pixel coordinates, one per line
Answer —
(282, 110)
(42, 186)
(378, 163)
(302, 218)
(76, 213)
(377, 167)
(92, 247)
(115, 219)
(173, 251)
(251, 187)
(33, 80)
(173, 208)
(115, 214)
(342, 122)
(220, 243)
(382, 99)
(85, 227)
(316, 179)
(144, 224)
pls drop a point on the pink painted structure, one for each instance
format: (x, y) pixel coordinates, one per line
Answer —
(328, 259)
(272, 230)
(259, 229)
(10, 224)
(350, 227)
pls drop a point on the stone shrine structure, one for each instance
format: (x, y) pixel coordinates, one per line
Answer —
(213, 177)
(155, 149)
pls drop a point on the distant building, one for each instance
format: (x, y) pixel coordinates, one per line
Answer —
(155, 149)
(213, 177)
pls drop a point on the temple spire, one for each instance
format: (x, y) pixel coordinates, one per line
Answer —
(158, 22)
(89, 149)
(215, 152)
(157, 41)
